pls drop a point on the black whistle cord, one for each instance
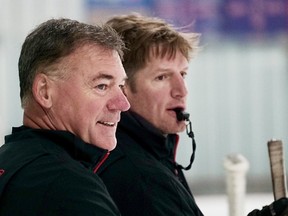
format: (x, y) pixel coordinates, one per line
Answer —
(191, 135)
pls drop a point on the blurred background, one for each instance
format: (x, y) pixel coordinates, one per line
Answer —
(238, 83)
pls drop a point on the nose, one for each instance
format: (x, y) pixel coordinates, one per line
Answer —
(179, 89)
(119, 102)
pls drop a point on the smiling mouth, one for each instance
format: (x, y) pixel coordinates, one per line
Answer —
(110, 124)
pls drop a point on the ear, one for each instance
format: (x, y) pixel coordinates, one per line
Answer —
(41, 90)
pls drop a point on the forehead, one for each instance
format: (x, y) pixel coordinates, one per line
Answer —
(92, 52)
(95, 61)
(175, 61)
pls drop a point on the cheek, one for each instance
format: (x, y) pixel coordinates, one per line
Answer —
(157, 98)
(153, 95)
(146, 97)
(89, 107)
(77, 105)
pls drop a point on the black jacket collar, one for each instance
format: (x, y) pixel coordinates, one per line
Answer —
(76, 148)
(147, 136)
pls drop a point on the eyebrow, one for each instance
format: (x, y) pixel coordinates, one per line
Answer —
(106, 76)
(103, 76)
(186, 69)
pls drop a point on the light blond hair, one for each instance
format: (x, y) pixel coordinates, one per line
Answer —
(144, 35)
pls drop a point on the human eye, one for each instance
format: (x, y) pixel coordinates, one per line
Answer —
(183, 74)
(161, 77)
(122, 83)
(121, 86)
(101, 87)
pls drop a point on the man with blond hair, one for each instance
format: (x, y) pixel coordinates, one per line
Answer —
(141, 174)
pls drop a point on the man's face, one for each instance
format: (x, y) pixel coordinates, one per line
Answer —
(160, 89)
(88, 103)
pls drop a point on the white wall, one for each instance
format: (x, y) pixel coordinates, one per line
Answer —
(238, 93)
(17, 19)
(238, 101)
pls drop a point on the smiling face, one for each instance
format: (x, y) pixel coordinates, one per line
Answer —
(88, 102)
(160, 89)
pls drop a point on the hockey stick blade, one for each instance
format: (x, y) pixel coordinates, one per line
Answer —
(277, 167)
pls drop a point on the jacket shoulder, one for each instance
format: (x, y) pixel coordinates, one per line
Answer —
(48, 182)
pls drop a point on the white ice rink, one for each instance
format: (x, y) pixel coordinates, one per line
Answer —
(217, 205)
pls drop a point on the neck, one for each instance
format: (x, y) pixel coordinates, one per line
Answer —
(36, 116)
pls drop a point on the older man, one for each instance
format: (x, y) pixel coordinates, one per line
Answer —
(71, 80)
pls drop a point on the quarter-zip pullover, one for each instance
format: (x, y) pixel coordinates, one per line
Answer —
(141, 173)
(46, 172)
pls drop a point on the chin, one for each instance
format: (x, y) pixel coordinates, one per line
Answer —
(180, 130)
(107, 144)
(176, 130)
(111, 145)
(180, 127)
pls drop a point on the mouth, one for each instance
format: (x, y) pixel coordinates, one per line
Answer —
(109, 124)
(177, 109)
(180, 114)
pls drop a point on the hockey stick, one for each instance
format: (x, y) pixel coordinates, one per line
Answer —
(278, 172)
(277, 166)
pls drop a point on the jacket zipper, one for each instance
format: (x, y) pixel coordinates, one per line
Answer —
(102, 160)
(175, 147)
(174, 154)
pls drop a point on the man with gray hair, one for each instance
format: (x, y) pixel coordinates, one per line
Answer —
(71, 80)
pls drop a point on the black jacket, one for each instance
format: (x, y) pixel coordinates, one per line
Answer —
(45, 172)
(141, 174)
